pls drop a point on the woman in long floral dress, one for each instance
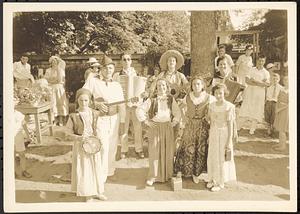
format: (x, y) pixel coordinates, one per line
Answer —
(191, 155)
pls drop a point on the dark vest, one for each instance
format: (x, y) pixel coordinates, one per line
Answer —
(196, 111)
(78, 125)
(154, 105)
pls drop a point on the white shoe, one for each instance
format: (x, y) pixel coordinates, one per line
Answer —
(102, 197)
(209, 185)
(215, 189)
(89, 199)
(196, 179)
(150, 182)
(179, 175)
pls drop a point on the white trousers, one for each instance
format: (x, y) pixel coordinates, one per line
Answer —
(108, 130)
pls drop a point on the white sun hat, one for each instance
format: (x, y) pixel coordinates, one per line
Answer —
(92, 60)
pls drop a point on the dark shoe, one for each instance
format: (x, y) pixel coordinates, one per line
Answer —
(26, 174)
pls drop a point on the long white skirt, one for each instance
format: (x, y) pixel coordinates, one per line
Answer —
(219, 171)
(253, 103)
(59, 100)
(88, 175)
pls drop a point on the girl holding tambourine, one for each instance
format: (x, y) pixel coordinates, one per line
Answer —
(88, 174)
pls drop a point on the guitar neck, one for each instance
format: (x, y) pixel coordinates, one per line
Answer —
(118, 102)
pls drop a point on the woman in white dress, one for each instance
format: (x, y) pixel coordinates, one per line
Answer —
(88, 170)
(244, 64)
(220, 162)
(55, 76)
(253, 105)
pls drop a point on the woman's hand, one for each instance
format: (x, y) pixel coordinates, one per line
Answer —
(149, 123)
(174, 123)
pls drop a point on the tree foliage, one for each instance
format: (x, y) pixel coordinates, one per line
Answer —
(273, 33)
(95, 32)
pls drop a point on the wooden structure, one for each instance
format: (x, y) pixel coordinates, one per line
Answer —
(255, 38)
(36, 111)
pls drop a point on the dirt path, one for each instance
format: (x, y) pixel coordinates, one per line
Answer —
(262, 173)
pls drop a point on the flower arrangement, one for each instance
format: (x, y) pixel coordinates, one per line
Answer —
(33, 96)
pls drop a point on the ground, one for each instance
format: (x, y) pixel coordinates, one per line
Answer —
(263, 174)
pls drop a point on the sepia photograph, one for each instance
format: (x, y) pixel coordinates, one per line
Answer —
(150, 107)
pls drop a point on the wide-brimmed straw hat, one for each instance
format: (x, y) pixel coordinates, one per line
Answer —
(92, 60)
(107, 61)
(163, 62)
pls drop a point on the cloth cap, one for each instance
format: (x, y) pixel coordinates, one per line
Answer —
(107, 61)
(163, 62)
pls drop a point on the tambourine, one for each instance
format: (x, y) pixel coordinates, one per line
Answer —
(92, 145)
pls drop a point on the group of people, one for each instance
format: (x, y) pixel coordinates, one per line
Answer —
(264, 99)
(187, 136)
(178, 130)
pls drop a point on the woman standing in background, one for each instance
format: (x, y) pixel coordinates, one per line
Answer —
(55, 76)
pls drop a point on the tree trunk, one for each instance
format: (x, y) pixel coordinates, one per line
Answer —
(204, 42)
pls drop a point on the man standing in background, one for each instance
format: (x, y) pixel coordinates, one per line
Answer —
(21, 72)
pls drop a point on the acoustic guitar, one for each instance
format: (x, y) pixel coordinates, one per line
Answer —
(133, 100)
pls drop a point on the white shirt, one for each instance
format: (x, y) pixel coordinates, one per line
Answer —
(259, 75)
(109, 91)
(22, 71)
(163, 111)
(271, 96)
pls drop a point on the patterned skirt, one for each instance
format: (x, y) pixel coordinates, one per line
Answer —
(191, 156)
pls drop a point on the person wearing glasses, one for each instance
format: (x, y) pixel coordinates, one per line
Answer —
(128, 70)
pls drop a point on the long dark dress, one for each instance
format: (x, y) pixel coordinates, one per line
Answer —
(191, 156)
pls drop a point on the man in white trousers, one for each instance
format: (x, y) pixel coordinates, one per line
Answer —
(112, 118)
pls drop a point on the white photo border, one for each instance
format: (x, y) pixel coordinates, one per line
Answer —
(9, 187)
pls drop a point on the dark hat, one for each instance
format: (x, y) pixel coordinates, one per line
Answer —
(106, 61)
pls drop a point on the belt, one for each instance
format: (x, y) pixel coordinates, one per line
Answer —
(112, 110)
